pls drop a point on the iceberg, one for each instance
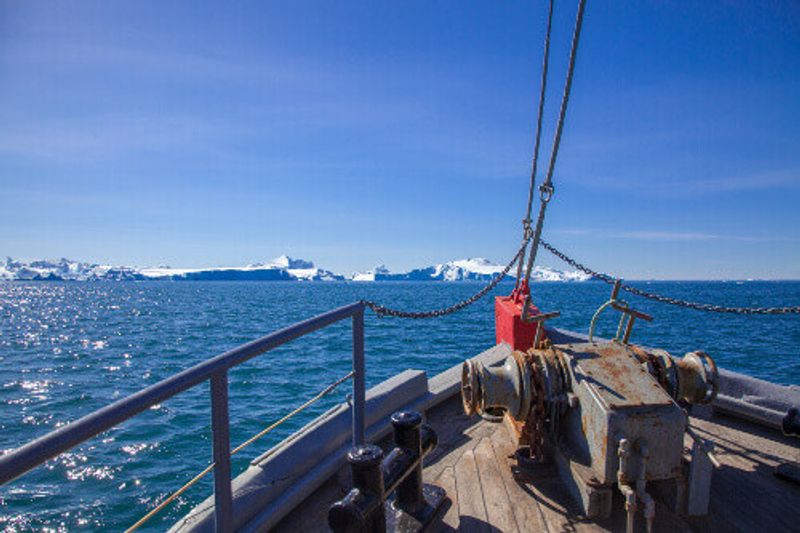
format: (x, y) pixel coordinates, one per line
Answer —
(472, 269)
(371, 275)
(282, 268)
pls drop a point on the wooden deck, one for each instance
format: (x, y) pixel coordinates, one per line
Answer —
(486, 492)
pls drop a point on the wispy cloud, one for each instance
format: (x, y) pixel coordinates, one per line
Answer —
(787, 177)
(204, 100)
(672, 187)
(655, 235)
(157, 61)
(106, 135)
(665, 236)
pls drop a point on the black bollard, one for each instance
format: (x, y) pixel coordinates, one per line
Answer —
(365, 508)
(362, 509)
(791, 423)
(407, 437)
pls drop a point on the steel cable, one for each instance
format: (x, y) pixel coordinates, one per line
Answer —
(546, 189)
(526, 222)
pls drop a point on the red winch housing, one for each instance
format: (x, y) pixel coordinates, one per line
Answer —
(508, 323)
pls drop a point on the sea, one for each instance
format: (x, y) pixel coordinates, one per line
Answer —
(69, 348)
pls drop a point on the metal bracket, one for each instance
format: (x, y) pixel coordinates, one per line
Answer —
(540, 319)
(626, 321)
(701, 466)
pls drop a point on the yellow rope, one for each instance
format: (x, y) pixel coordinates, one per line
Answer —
(325, 391)
(169, 500)
(158, 508)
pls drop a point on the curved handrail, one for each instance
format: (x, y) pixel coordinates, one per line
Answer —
(28, 456)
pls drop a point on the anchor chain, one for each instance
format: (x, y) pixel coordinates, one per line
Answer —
(381, 310)
(666, 299)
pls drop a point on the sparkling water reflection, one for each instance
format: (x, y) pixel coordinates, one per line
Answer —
(69, 348)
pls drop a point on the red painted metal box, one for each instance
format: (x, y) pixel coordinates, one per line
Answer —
(509, 327)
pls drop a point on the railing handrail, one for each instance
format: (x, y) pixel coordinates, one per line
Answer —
(36, 452)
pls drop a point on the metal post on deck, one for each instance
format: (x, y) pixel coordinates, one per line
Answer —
(359, 392)
(220, 428)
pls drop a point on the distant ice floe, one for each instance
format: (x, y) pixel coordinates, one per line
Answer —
(283, 268)
(474, 269)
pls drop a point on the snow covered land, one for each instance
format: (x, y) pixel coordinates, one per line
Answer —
(283, 268)
(477, 269)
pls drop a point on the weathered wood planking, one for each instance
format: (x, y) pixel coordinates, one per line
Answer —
(499, 510)
(451, 518)
(471, 507)
(485, 494)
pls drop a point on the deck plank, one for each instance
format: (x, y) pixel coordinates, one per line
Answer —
(745, 495)
(495, 496)
(471, 506)
(543, 491)
(450, 519)
(526, 512)
(457, 433)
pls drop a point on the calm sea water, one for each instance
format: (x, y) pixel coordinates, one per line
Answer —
(67, 349)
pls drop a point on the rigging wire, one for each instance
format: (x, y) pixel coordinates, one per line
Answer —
(526, 222)
(546, 189)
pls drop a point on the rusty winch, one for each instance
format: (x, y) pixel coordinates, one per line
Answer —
(610, 415)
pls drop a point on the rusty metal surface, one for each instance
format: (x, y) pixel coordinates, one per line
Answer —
(618, 397)
(698, 378)
(607, 413)
(499, 389)
(611, 372)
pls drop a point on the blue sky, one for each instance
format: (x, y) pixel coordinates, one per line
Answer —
(358, 133)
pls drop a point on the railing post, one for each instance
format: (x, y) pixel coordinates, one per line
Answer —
(220, 428)
(359, 392)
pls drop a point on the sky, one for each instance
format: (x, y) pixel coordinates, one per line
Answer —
(355, 133)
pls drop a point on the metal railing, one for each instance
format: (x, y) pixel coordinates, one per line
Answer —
(215, 370)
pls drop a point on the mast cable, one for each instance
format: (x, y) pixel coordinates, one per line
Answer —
(546, 192)
(526, 222)
(546, 189)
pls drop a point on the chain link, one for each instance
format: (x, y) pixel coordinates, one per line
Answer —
(381, 310)
(667, 300)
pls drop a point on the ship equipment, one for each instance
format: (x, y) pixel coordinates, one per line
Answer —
(790, 426)
(609, 415)
(370, 505)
